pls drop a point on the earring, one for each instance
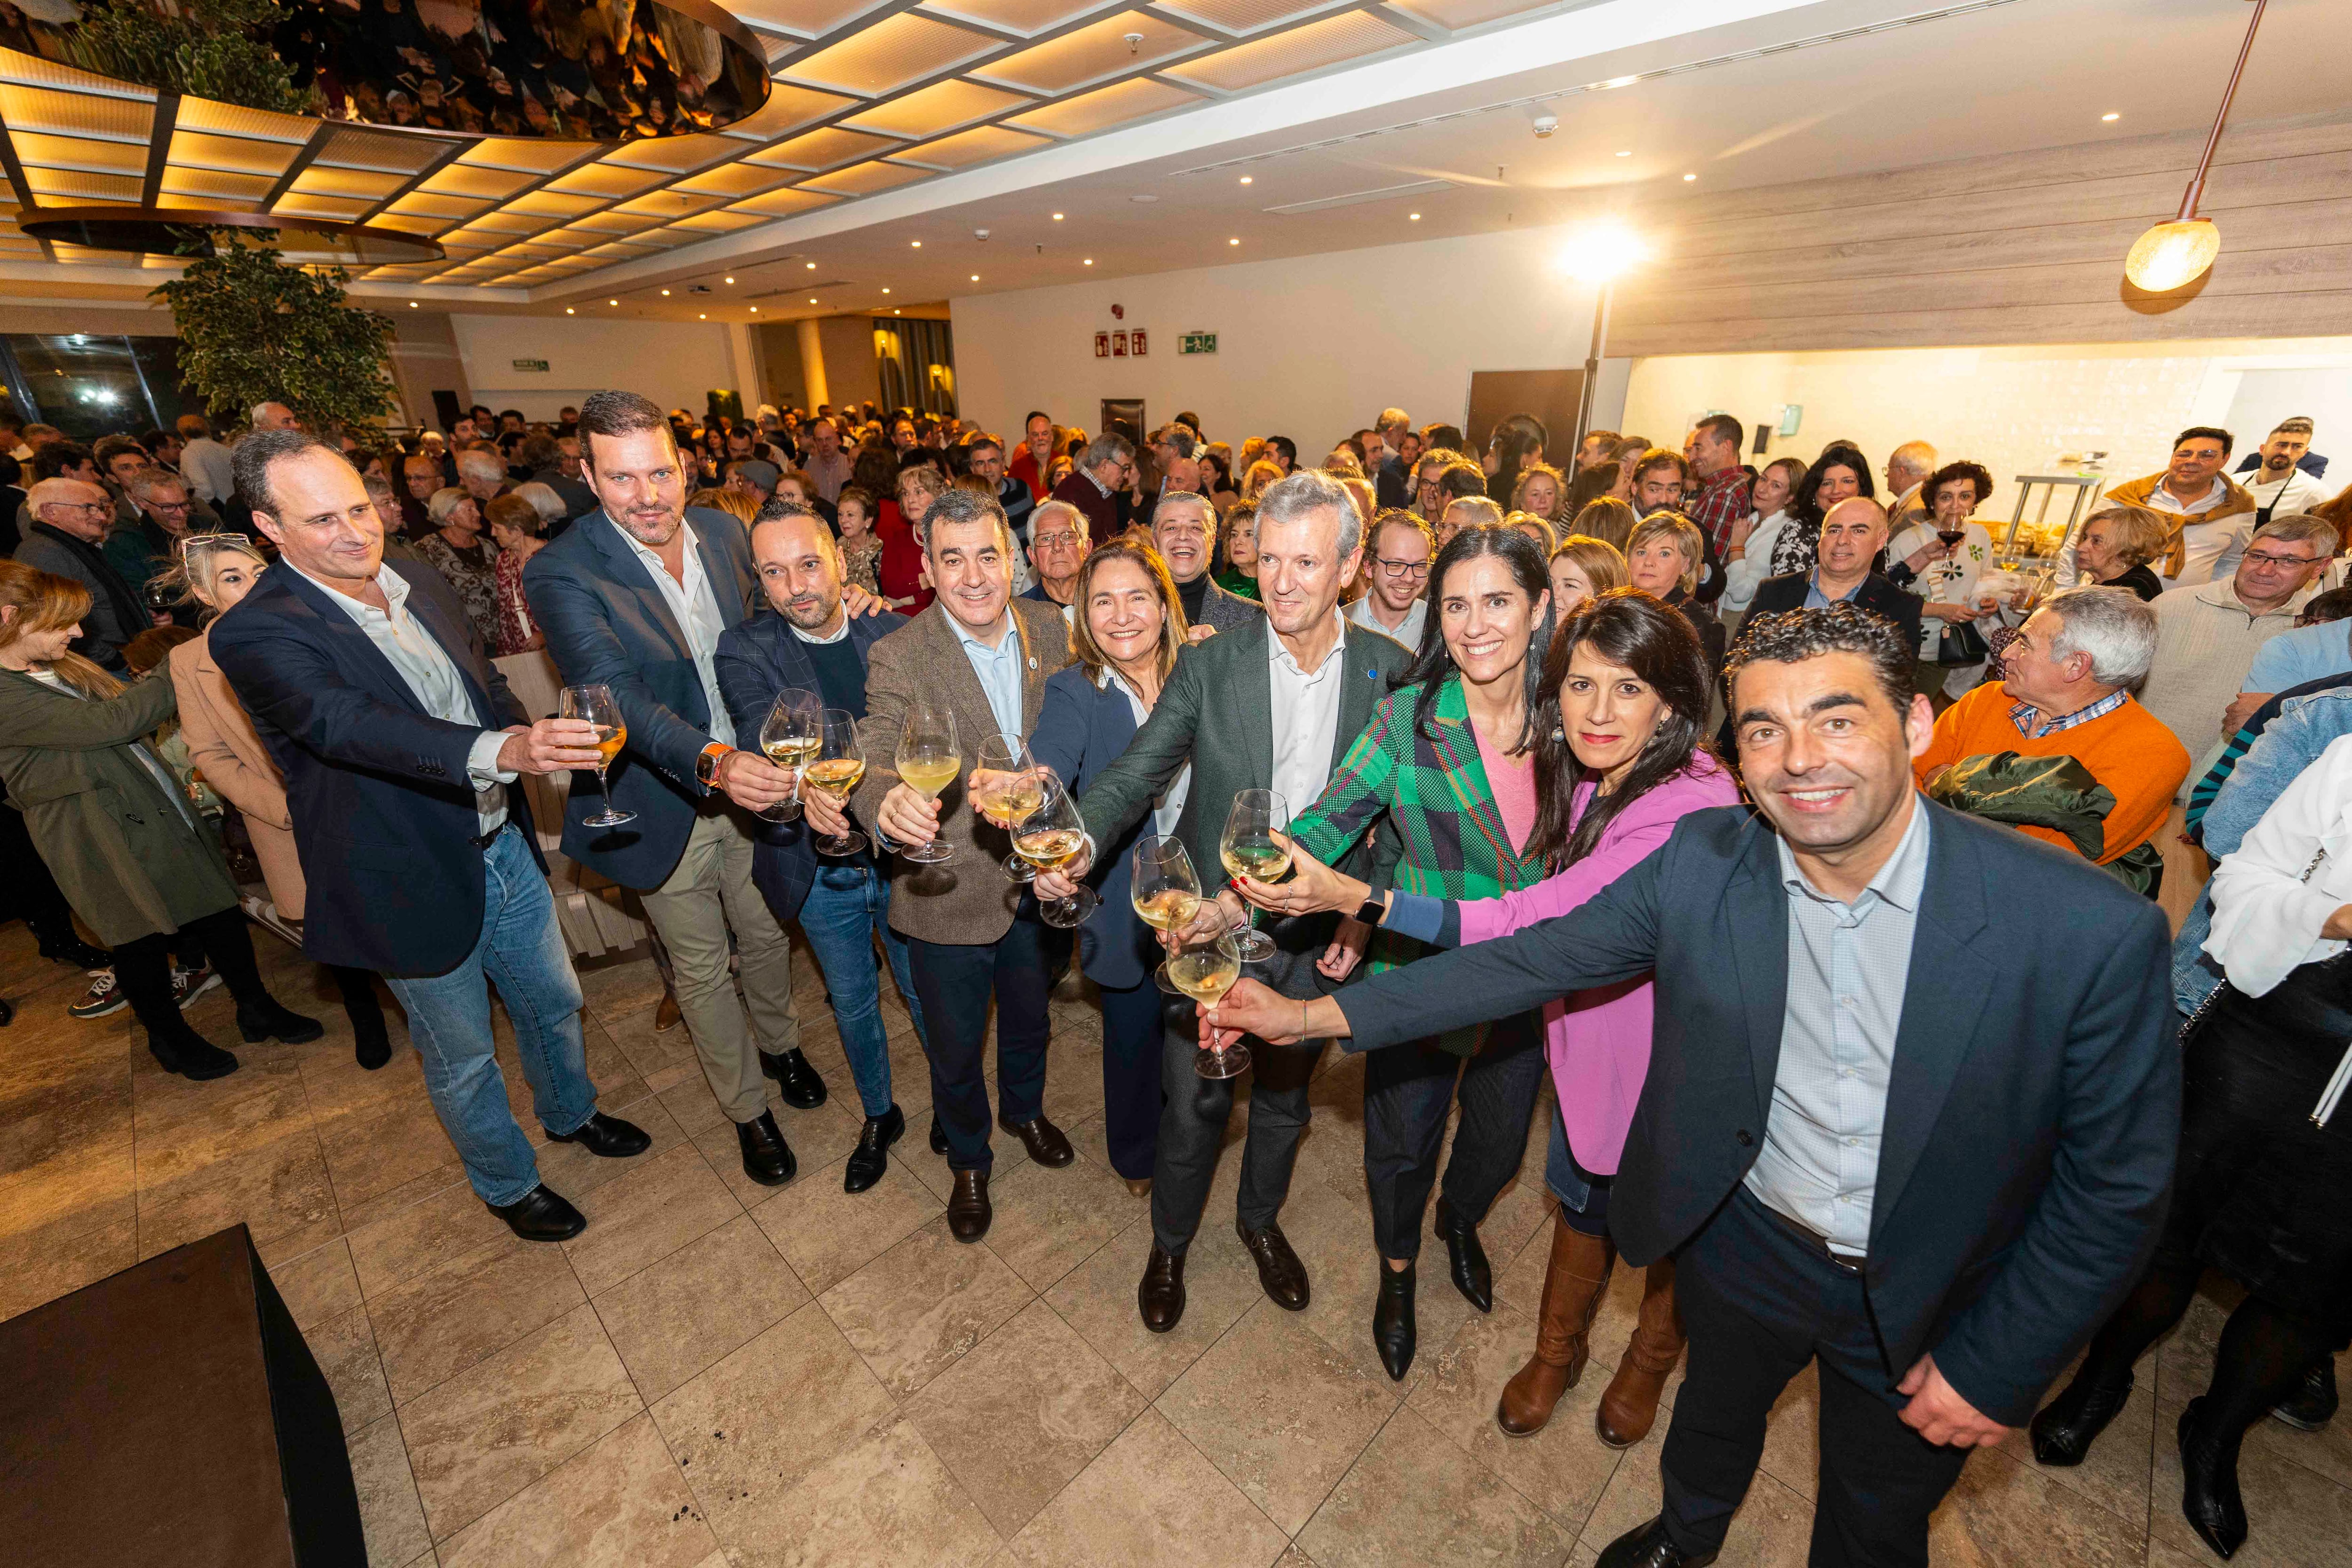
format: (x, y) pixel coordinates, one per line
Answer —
(1559, 733)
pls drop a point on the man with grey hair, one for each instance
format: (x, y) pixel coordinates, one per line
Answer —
(1391, 486)
(267, 415)
(1907, 467)
(483, 474)
(1184, 527)
(1058, 548)
(1100, 481)
(2067, 693)
(68, 522)
(1271, 704)
(2207, 633)
(144, 546)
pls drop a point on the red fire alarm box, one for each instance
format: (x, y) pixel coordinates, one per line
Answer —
(1119, 346)
(1136, 337)
(1102, 345)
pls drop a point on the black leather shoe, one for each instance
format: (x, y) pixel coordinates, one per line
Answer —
(1279, 1272)
(370, 1041)
(2313, 1404)
(2208, 1483)
(2063, 1431)
(1045, 1141)
(1160, 1295)
(1394, 1333)
(968, 1206)
(190, 1055)
(1646, 1546)
(606, 1137)
(541, 1216)
(767, 1158)
(1466, 1259)
(796, 1081)
(938, 1138)
(872, 1155)
(71, 949)
(266, 1019)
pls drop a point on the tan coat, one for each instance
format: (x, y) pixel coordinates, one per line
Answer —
(968, 900)
(222, 743)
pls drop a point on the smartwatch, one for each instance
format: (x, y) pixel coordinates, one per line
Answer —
(708, 761)
(1372, 911)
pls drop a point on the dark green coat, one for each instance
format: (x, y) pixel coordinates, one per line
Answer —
(124, 856)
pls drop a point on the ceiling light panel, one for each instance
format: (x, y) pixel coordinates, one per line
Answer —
(1245, 16)
(466, 180)
(971, 147)
(74, 183)
(1092, 53)
(784, 204)
(862, 179)
(826, 148)
(75, 113)
(426, 203)
(552, 204)
(1350, 36)
(604, 182)
(295, 203)
(889, 55)
(678, 154)
(394, 151)
(1027, 17)
(362, 183)
(809, 18)
(787, 110)
(195, 149)
(82, 152)
(942, 107)
(214, 183)
(1458, 14)
(723, 221)
(228, 119)
(670, 205)
(1105, 107)
(735, 180)
(520, 152)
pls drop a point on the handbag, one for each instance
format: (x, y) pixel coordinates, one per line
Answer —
(1961, 643)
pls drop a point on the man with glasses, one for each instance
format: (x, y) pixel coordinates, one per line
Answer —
(2214, 515)
(1183, 526)
(1396, 572)
(70, 518)
(2207, 634)
(1058, 548)
(142, 548)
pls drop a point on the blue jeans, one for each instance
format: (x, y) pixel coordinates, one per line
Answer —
(847, 907)
(521, 951)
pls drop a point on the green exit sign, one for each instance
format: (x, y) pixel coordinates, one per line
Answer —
(1197, 343)
(538, 364)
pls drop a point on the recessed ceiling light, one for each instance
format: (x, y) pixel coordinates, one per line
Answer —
(976, 277)
(1233, 242)
(704, 316)
(1690, 176)
(1414, 216)
(1625, 152)
(1146, 199)
(2111, 115)
(1620, 81)
(412, 304)
(811, 298)
(895, 312)
(755, 310)
(885, 290)
(664, 293)
(730, 281)
(1249, 179)
(811, 266)
(1057, 217)
(916, 243)
(568, 310)
(611, 302)
(1090, 261)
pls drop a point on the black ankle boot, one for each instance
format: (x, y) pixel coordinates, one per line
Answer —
(2209, 1481)
(64, 947)
(1466, 1259)
(370, 1041)
(2312, 1406)
(2063, 1431)
(1393, 1332)
(269, 1018)
(189, 1054)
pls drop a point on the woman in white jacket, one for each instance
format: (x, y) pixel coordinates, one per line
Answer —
(1748, 559)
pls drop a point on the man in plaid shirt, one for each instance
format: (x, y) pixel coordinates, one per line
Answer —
(1713, 453)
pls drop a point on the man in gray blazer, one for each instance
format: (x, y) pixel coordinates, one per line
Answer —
(1184, 527)
(69, 519)
(1273, 703)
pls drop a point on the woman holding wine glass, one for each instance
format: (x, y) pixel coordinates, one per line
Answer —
(1126, 637)
(1449, 759)
(1618, 764)
(1940, 560)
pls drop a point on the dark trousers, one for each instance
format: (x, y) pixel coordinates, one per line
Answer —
(1407, 1091)
(1192, 1124)
(954, 984)
(143, 967)
(1759, 1304)
(1133, 1030)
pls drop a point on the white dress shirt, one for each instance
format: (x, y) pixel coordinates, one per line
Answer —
(1168, 809)
(1306, 718)
(2207, 550)
(432, 676)
(698, 616)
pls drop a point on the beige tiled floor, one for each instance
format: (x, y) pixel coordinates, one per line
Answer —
(716, 1374)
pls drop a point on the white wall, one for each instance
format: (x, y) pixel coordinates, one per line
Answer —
(2014, 410)
(673, 362)
(1310, 348)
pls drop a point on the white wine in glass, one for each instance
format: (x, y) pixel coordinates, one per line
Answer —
(595, 704)
(788, 738)
(839, 767)
(1012, 796)
(1254, 846)
(1052, 839)
(1205, 971)
(1165, 891)
(928, 762)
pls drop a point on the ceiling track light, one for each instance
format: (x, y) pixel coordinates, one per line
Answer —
(2176, 254)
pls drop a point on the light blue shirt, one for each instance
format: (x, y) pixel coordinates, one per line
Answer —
(999, 669)
(2306, 653)
(1817, 600)
(1848, 967)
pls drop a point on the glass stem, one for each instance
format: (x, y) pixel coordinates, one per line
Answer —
(605, 784)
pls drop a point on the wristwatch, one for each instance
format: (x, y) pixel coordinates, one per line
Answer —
(1372, 911)
(708, 761)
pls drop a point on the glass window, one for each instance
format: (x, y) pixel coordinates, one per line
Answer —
(85, 384)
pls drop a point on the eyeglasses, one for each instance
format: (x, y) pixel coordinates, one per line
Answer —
(1411, 570)
(2264, 558)
(191, 544)
(172, 505)
(1059, 536)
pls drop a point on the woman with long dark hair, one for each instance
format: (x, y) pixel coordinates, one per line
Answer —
(1618, 764)
(1448, 759)
(1839, 473)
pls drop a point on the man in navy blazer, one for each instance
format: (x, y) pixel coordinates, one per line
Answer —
(635, 597)
(842, 902)
(1912, 1103)
(397, 737)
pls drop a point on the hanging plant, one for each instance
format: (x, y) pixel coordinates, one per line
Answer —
(201, 49)
(254, 328)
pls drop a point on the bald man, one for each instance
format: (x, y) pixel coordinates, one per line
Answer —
(69, 519)
(273, 416)
(1907, 467)
(1852, 534)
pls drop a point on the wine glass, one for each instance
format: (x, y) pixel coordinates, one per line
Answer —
(595, 704)
(1254, 847)
(1012, 795)
(1053, 835)
(788, 737)
(1204, 970)
(840, 763)
(929, 761)
(1166, 890)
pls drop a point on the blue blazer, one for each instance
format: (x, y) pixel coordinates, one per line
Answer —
(607, 623)
(755, 661)
(384, 815)
(2032, 1115)
(1081, 731)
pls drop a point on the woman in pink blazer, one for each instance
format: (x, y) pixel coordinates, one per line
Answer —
(219, 569)
(1621, 766)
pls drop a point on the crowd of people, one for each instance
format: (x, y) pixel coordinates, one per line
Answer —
(1788, 844)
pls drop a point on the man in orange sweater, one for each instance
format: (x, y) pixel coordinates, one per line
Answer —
(2067, 693)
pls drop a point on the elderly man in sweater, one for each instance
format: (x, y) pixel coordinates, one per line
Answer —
(2207, 634)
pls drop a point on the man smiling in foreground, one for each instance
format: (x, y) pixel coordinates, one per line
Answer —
(1887, 1125)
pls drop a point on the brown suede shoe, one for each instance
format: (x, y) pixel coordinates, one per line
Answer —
(1160, 1295)
(969, 1211)
(1629, 1407)
(1573, 1281)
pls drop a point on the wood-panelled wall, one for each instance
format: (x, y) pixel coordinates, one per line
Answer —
(2022, 249)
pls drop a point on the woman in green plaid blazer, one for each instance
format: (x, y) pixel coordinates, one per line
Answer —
(1459, 726)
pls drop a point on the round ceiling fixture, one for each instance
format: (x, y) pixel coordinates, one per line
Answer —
(202, 231)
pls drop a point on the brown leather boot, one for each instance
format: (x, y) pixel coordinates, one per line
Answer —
(1629, 1406)
(1573, 1281)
